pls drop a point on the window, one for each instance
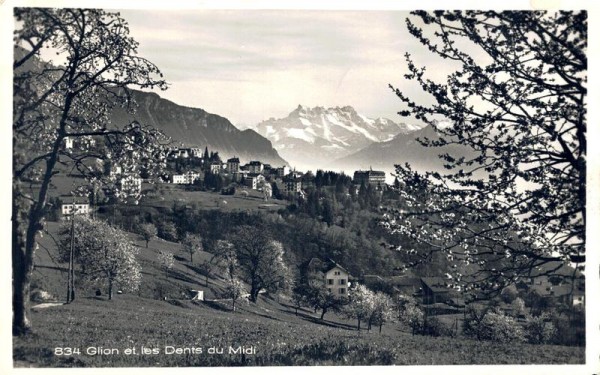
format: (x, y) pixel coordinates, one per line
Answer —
(329, 289)
(329, 281)
(342, 281)
(342, 290)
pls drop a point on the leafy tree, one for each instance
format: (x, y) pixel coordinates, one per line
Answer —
(382, 310)
(518, 306)
(322, 299)
(509, 293)
(167, 230)
(360, 304)
(414, 317)
(207, 268)
(495, 326)
(515, 199)
(166, 260)
(260, 260)
(104, 254)
(71, 97)
(489, 324)
(266, 190)
(299, 295)
(234, 289)
(148, 231)
(276, 192)
(533, 299)
(191, 244)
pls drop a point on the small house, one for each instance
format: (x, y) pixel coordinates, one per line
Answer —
(336, 280)
(333, 277)
(435, 290)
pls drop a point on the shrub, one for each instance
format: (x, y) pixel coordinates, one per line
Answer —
(42, 296)
(493, 326)
(498, 327)
(432, 326)
(539, 330)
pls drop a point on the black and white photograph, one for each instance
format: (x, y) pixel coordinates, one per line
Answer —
(266, 186)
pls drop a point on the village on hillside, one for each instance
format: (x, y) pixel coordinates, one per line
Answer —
(438, 295)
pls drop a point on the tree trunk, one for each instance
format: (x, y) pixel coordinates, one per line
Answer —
(147, 243)
(21, 281)
(21, 272)
(358, 325)
(110, 289)
(254, 293)
(192, 258)
(23, 253)
(323, 313)
(206, 279)
(380, 324)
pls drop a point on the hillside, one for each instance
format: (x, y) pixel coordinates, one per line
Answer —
(185, 125)
(403, 148)
(196, 127)
(163, 319)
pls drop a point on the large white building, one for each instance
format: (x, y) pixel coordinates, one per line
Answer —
(292, 185)
(186, 178)
(255, 167)
(77, 206)
(131, 184)
(252, 181)
(283, 171)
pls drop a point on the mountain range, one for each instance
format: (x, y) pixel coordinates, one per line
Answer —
(312, 137)
(403, 148)
(195, 127)
(184, 125)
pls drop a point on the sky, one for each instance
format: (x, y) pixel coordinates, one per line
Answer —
(252, 65)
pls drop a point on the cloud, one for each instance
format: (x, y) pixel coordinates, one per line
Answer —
(249, 65)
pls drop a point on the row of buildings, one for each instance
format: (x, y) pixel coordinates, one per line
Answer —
(432, 291)
(255, 173)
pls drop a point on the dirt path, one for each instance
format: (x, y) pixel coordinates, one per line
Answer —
(47, 304)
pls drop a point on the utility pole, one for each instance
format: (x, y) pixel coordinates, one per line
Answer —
(71, 273)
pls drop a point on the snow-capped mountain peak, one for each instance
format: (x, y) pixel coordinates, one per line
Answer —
(319, 132)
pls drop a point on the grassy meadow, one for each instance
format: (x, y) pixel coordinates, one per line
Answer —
(276, 334)
(161, 318)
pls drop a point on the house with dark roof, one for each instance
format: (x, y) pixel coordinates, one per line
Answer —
(435, 290)
(255, 166)
(407, 285)
(567, 294)
(369, 177)
(233, 165)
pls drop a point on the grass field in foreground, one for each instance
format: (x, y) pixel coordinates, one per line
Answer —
(270, 329)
